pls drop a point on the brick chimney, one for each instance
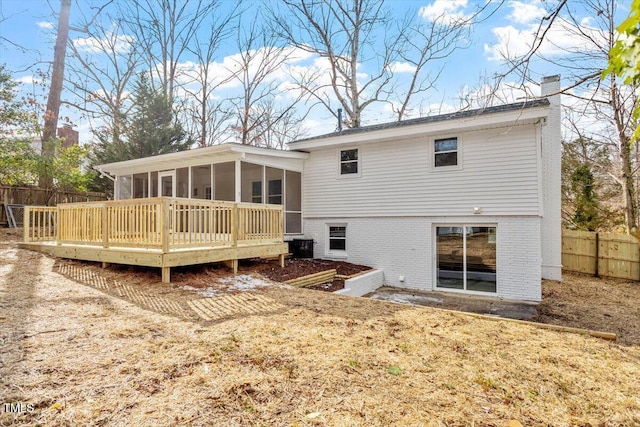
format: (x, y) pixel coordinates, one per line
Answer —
(551, 182)
(70, 136)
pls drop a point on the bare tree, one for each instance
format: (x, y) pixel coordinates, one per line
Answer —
(204, 112)
(602, 105)
(343, 32)
(102, 66)
(424, 46)
(254, 70)
(273, 127)
(365, 49)
(163, 30)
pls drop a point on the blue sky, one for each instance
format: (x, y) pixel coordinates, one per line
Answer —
(30, 23)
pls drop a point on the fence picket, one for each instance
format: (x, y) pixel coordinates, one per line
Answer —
(606, 254)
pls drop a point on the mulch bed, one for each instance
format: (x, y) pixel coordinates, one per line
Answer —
(336, 285)
(298, 267)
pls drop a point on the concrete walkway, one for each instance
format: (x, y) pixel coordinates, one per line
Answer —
(473, 304)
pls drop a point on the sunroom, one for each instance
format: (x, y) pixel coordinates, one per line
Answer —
(215, 204)
(227, 172)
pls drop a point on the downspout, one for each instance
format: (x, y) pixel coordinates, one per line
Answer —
(105, 175)
(538, 126)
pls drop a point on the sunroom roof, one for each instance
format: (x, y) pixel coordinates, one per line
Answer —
(212, 154)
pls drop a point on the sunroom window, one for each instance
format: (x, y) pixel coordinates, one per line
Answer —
(124, 185)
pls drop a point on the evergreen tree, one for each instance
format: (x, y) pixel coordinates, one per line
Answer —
(153, 128)
(586, 215)
(589, 191)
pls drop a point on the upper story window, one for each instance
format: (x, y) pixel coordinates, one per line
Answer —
(349, 162)
(445, 152)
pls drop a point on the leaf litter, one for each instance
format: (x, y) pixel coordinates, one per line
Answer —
(84, 356)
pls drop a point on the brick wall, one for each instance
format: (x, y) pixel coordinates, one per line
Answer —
(404, 246)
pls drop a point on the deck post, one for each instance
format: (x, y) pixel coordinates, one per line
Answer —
(233, 264)
(59, 227)
(105, 226)
(166, 226)
(166, 274)
(27, 224)
(281, 259)
(234, 225)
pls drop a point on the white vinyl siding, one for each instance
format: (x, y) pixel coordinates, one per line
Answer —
(500, 176)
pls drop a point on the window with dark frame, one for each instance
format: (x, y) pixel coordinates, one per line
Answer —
(256, 192)
(275, 192)
(349, 161)
(337, 238)
(445, 152)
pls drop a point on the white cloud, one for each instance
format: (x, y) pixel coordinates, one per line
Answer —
(27, 80)
(119, 43)
(445, 11)
(45, 25)
(563, 37)
(526, 13)
(402, 67)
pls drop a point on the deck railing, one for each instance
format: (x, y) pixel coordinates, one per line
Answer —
(157, 223)
(40, 223)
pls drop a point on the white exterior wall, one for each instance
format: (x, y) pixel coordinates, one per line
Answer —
(551, 184)
(392, 207)
(404, 246)
(499, 173)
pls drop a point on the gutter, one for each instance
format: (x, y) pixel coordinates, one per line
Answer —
(103, 174)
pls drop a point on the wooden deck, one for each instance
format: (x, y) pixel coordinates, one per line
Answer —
(159, 232)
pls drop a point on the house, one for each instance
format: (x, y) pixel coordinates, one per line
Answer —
(464, 202)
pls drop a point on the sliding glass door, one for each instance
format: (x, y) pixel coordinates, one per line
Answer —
(466, 258)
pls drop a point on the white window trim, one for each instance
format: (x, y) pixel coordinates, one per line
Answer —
(434, 261)
(336, 253)
(432, 154)
(284, 202)
(339, 162)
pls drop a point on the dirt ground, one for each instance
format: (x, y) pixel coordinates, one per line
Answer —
(80, 345)
(611, 305)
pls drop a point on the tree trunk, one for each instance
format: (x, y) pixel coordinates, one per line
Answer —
(628, 184)
(55, 90)
(628, 187)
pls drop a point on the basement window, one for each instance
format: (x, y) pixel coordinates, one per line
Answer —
(337, 240)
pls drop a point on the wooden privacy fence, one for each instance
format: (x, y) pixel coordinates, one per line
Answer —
(601, 254)
(10, 195)
(155, 223)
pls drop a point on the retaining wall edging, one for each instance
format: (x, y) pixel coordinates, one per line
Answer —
(362, 284)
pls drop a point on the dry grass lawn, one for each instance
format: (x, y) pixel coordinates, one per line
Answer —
(80, 355)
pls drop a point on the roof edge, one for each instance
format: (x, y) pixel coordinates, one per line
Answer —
(460, 114)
